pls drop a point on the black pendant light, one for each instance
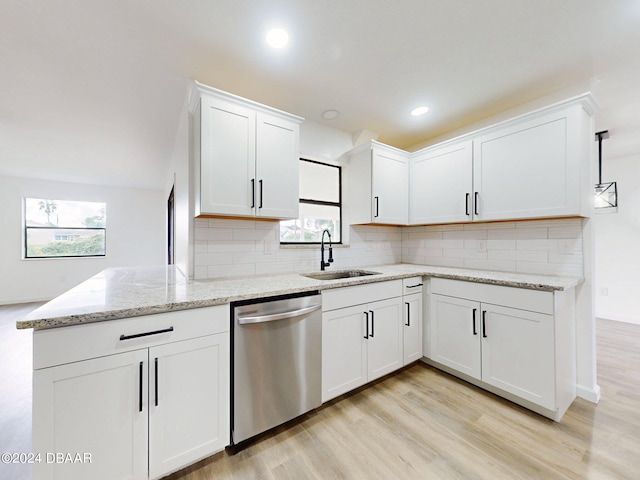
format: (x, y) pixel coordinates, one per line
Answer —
(606, 193)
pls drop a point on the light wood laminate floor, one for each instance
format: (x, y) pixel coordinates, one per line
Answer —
(421, 423)
(416, 424)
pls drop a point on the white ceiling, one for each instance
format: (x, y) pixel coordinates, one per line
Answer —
(93, 90)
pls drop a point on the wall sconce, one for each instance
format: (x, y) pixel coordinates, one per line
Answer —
(606, 194)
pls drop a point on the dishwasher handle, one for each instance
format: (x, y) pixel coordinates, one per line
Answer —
(249, 319)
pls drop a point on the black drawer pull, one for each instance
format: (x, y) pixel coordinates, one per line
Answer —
(366, 324)
(140, 388)
(156, 378)
(145, 334)
(475, 332)
(484, 326)
(408, 324)
(372, 322)
(414, 286)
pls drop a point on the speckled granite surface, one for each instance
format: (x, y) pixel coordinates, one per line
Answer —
(129, 292)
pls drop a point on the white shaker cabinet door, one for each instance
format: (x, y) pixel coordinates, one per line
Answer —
(277, 167)
(518, 353)
(188, 402)
(98, 407)
(227, 158)
(412, 319)
(390, 187)
(441, 185)
(384, 345)
(344, 353)
(530, 168)
(455, 334)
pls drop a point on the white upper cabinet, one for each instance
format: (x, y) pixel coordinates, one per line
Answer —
(278, 141)
(530, 168)
(245, 157)
(533, 166)
(227, 157)
(441, 184)
(378, 185)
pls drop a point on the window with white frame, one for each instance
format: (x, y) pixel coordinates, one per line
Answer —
(320, 205)
(64, 228)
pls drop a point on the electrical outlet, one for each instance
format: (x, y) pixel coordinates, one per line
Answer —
(481, 245)
(604, 291)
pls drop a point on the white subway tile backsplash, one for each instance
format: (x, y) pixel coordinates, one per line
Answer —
(254, 234)
(496, 265)
(231, 248)
(206, 233)
(517, 233)
(552, 247)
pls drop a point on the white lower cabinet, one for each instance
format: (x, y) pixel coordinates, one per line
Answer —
(412, 319)
(522, 349)
(361, 339)
(97, 408)
(188, 402)
(147, 405)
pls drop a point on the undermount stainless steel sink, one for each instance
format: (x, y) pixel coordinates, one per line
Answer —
(339, 274)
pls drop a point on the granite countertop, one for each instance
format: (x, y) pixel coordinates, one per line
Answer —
(129, 292)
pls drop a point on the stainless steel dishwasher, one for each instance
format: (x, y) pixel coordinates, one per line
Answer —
(277, 362)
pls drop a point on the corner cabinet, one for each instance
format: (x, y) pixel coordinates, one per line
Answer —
(531, 167)
(514, 342)
(245, 157)
(143, 397)
(378, 182)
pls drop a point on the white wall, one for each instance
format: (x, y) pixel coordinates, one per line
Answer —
(617, 238)
(135, 236)
(179, 177)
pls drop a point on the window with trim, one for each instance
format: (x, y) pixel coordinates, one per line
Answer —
(320, 205)
(63, 228)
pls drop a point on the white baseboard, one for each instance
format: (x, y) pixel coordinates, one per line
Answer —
(589, 394)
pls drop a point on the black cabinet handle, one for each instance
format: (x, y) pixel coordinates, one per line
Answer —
(260, 182)
(475, 332)
(377, 202)
(466, 203)
(155, 362)
(408, 324)
(145, 334)
(414, 286)
(253, 193)
(140, 389)
(475, 203)
(366, 324)
(484, 325)
(372, 322)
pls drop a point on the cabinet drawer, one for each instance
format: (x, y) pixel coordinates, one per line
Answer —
(521, 298)
(57, 346)
(359, 294)
(412, 285)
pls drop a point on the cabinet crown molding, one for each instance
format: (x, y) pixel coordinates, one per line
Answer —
(586, 100)
(199, 90)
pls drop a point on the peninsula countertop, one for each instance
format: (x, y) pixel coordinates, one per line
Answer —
(129, 292)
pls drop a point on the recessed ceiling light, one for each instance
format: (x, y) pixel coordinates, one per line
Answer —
(416, 112)
(330, 114)
(277, 38)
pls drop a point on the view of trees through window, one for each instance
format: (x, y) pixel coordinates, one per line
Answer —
(63, 228)
(320, 205)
